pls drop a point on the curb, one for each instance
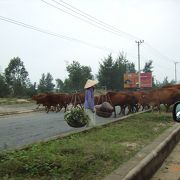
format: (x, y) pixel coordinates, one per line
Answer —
(143, 166)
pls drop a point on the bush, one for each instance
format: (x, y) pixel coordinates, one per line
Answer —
(76, 117)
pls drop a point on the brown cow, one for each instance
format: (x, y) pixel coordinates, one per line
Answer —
(40, 99)
(166, 96)
(121, 99)
(57, 101)
(78, 99)
(141, 104)
(172, 86)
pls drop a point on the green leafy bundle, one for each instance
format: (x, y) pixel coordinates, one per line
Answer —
(76, 117)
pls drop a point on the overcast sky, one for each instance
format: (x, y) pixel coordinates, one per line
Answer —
(154, 21)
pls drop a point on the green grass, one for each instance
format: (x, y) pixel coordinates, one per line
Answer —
(90, 155)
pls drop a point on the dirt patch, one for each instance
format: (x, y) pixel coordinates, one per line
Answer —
(130, 145)
(22, 101)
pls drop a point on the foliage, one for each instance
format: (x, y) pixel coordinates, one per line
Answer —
(49, 82)
(42, 84)
(17, 77)
(46, 83)
(76, 115)
(31, 89)
(165, 82)
(4, 90)
(77, 76)
(131, 68)
(148, 66)
(59, 85)
(111, 73)
(89, 155)
(106, 72)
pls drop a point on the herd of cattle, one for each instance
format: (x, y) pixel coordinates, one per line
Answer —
(133, 101)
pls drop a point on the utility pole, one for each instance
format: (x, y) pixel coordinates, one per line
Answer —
(139, 71)
(175, 71)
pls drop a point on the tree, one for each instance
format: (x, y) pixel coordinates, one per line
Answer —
(130, 68)
(59, 85)
(16, 76)
(31, 90)
(49, 82)
(123, 66)
(158, 84)
(46, 83)
(4, 90)
(111, 73)
(148, 66)
(42, 84)
(106, 73)
(77, 76)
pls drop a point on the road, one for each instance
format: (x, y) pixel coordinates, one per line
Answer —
(170, 169)
(22, 129)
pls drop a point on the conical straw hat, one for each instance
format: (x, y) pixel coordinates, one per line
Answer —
(90, 83)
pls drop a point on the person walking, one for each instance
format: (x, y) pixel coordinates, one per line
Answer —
(89, 101)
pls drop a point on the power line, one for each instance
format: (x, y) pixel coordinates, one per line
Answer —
(158, 52)
(54, 34)
(105, 26)
(92, 22)
(91, 18)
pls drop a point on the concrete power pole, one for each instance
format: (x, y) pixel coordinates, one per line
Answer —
(175, 71)
(139, 71)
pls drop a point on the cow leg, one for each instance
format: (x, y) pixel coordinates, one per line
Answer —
(120, 110)
(143, 107)
(48, 108)
(114, 111)
(65, 107)
(124, 110)
(130, 109)
(137, 107)
(38, 106)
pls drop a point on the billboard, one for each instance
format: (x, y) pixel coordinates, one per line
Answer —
(131, 80)
(146, 80)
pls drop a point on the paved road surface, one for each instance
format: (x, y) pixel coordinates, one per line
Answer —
(170, 170)
(22, 129)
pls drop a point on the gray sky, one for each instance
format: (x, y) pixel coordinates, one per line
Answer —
(155, 21)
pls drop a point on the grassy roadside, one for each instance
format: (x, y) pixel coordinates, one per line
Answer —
(9, 101)
(90, 155)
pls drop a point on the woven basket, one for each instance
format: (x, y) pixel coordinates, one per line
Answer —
(103, 114)
(76, 124)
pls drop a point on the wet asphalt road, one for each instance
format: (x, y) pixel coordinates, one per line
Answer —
(23, 129)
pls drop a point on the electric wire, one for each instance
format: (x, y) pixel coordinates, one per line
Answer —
(87, 21)
(63, 37)
(54, 34)
(95, 20)
(110, 29)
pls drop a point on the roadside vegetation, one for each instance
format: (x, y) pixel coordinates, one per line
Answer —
(89, 155)
(9, 101)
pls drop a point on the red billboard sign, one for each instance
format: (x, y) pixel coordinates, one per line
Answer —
(131, 80)
(146, 80)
